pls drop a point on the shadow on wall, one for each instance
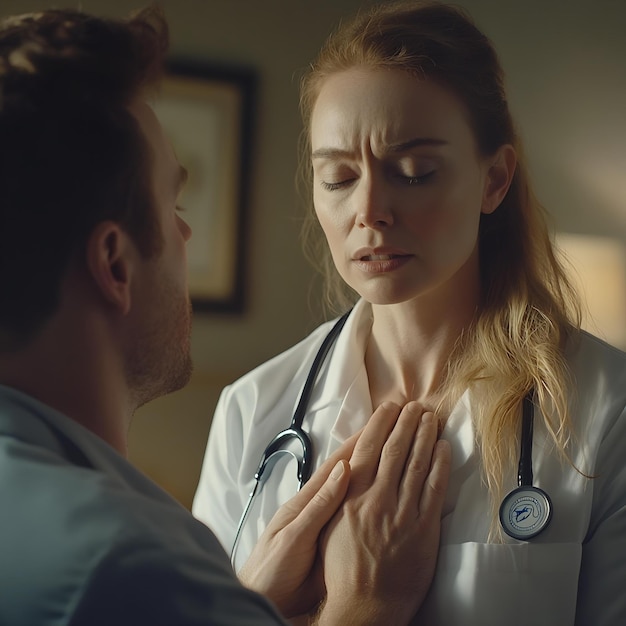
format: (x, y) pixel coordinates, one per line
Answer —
(168, 436)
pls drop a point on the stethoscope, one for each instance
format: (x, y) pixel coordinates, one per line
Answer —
(527, 510)
(524, 512)
(294, 434)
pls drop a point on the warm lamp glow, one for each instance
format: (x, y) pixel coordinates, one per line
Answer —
(598, 269)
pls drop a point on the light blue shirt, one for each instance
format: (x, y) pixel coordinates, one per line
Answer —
(85, 538)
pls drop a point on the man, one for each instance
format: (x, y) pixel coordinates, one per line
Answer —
(94, 322)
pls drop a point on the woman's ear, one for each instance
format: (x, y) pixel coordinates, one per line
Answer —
(109, 257)
(499, 177)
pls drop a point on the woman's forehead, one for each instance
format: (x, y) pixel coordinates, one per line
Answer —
(388, 106)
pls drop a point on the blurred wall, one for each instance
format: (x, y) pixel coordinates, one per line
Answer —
(566, 68)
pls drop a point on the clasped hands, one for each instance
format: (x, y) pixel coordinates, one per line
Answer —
(360, 539)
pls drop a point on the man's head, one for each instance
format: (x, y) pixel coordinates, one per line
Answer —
(90, 238)
(71, 152)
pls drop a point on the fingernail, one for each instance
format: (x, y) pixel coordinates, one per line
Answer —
(337, 471)
(389, 405)
(414, 407)
(428, 417)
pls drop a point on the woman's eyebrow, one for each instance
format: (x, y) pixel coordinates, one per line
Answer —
(404, 146)
(330, 153)
(417, 142)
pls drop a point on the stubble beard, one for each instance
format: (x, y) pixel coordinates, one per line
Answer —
(160, 361)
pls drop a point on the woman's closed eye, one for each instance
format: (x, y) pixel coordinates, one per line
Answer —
(413, 171)
(334, 186)
(419, 180)
(336, 177)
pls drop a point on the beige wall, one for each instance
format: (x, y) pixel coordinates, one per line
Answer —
(566, 67)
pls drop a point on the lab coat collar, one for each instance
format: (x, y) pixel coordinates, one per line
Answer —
(345, 388)
(459, 432)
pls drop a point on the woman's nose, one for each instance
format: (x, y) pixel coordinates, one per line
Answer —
(374, 206)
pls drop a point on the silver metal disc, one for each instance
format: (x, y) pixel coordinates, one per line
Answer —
(525, 512)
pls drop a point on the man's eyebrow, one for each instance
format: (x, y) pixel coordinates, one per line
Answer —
(335, 153)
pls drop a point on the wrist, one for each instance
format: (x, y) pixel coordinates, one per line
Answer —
(360, 612)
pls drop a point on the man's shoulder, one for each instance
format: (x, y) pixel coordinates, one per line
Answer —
(72, 536)
(48, 496)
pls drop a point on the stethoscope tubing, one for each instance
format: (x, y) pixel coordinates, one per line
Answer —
(525, 468)
(320, 357)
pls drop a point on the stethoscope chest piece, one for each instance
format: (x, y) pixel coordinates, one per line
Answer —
(525, 512)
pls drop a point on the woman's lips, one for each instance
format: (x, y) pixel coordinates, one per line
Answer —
(376, 263)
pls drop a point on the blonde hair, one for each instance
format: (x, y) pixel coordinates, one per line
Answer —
(528, 306)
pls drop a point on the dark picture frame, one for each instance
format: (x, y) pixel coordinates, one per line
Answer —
(207, 114)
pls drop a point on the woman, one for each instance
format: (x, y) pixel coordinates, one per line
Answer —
(430, 224)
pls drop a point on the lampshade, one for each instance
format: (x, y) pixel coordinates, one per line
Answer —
(597, 266)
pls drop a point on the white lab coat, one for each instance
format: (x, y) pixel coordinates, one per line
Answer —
(573, 572)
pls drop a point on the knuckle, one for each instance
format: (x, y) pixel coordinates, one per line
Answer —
(418, 467)
(321, 499)
(367, 447)
(393, 450)
(366, 450)
(437, 486)
(288, 537)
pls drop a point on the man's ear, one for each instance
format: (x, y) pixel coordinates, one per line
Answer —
(109, 257)
(499, 176)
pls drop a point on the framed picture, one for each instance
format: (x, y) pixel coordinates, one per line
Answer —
(207, 114)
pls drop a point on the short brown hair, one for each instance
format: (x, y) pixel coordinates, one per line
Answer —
(71, 154)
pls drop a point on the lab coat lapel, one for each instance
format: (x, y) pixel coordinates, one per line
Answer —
(459, 432)
(341, 403)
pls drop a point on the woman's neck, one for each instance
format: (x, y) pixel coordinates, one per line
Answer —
(408, 351)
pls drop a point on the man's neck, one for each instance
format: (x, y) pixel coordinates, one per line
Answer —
(79, 378)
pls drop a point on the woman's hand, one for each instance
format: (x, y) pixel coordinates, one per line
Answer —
(380, 550)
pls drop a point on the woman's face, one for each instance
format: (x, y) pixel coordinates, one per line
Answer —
(398, 185)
